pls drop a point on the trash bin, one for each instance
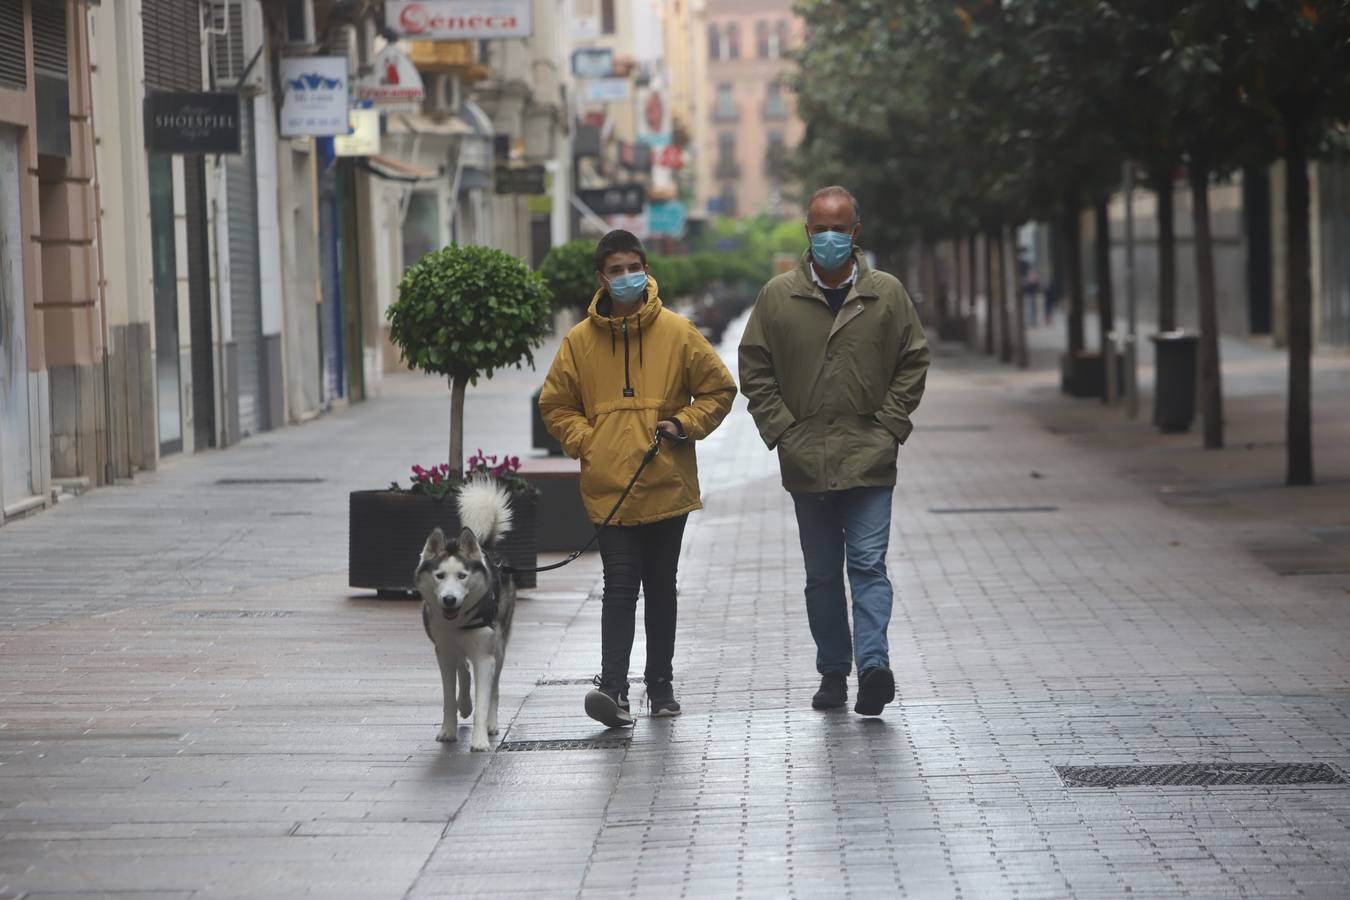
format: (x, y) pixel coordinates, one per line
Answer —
(541, 439)
(1174, 382)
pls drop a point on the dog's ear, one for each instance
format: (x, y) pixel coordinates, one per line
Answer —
(435, 545)
(468, 544)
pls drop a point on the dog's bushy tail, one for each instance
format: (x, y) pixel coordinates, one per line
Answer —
(485, 508)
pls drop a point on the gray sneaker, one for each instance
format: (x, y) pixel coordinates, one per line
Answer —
(661, 698)
(608, 705)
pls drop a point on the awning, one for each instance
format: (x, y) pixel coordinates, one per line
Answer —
(396, 169)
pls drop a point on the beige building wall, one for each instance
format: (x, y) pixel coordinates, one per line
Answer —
(749, 108)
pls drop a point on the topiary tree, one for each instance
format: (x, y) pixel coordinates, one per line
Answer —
(569, 272)
(463, 311)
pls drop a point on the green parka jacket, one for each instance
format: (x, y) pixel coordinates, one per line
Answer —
(834, 393)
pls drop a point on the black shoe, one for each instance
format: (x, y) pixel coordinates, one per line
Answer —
(608, 705)
(876, 688)
(833, 691)
(661, 697)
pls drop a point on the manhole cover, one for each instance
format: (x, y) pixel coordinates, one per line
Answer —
(238, 481)
(952, 511)
(599, 743)
(554, 682)
(1199, 774)
(235, 614)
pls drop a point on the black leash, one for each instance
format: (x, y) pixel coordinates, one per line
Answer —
(650, 455)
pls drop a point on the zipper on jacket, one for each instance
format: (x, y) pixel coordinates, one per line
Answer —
(627, 378)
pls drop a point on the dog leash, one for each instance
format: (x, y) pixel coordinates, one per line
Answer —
(650, 455)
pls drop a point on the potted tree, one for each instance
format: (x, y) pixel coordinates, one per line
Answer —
(462, 312)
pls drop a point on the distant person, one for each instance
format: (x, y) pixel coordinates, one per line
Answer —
(1031, 289)
(833, 363)
(631, 370)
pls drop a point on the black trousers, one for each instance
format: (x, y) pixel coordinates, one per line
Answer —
(633, 556)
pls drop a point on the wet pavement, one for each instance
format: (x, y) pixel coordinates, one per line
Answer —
(195, 704)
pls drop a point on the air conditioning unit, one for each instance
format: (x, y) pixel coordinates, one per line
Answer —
(300, 23)
(236, 33)
(443, 95)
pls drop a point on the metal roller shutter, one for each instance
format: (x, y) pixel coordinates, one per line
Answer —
(245, 284)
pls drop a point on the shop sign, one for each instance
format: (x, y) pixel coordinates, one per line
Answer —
(605, 90)
(363, 137)
(520, 180)
(455, 20)
(315, 98)
(182, 122)
(395, 85)
(618, 199)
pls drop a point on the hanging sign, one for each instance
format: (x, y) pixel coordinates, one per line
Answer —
(363, 138)
(456, 20)
(181, 122)
(315, 99)
(395, 85)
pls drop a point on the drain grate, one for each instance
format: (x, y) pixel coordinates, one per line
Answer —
(598, 743)
(1201, 774)
(951, 511)
(555, 682)
(239, 481)
(235, 614)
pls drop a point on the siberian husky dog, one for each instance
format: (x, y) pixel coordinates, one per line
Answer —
(467, 607)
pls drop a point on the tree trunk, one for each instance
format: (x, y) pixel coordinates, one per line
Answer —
(1211, 389)
(1005, 274)
(457, 385)
(1106, 305)
(990, 249)
(1298, 423)
(973, 280)
(1073, 259)
(1167, 251)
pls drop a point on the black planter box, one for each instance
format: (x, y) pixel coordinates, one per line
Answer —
(1083, 374)
(386, 531)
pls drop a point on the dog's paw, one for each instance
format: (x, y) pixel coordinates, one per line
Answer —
(480, 746)
(465, 707)
(447, 736)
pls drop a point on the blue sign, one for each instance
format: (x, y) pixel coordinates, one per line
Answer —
(667, 218)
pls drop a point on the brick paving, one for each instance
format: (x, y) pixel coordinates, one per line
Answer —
(195, 705)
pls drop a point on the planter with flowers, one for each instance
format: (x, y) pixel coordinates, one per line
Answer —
(388, 527)
(462, 311)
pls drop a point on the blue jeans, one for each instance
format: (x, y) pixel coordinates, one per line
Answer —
(835, 526)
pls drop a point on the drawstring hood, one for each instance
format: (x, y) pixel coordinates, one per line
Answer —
(601, 313)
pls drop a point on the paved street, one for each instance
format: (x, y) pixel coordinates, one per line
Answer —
(194, 704)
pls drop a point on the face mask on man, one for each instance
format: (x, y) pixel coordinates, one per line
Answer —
(627, 288)
(831, 248)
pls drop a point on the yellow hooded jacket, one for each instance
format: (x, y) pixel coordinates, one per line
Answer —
(611, 382)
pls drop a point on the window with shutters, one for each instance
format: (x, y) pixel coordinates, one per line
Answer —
(13, 66)
(50, 78)
(227, 40)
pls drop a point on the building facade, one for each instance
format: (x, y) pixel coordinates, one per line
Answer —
(750, 114)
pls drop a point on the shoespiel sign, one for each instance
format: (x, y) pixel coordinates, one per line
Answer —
(454, 20)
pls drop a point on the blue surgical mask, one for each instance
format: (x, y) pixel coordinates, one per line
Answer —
(627, 288)
(831, 248)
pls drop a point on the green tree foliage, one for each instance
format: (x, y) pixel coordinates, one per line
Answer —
(464, 311)
(569, 272)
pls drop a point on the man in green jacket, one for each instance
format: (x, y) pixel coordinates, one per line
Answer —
(833, 364)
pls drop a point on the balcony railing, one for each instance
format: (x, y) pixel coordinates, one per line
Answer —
(775, 112)
(722, 113)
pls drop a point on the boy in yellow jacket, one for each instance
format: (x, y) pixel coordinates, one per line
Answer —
(630, 369)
